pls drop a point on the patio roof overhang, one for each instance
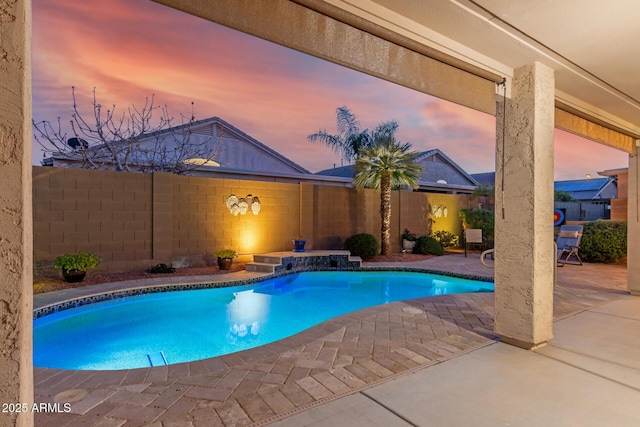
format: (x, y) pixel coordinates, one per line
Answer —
(459, 49)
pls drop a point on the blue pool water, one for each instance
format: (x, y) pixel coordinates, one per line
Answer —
(193, 325)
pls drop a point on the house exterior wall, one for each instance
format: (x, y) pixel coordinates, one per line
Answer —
(609, 192)
(238, 154)
(133, 220)
(435, 168)
(619, 204)
(16, 234)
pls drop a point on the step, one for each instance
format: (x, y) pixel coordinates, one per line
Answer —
(260, 267)
(157, 359)
(268, 259)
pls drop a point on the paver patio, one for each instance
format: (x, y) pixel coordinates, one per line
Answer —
(337, 358)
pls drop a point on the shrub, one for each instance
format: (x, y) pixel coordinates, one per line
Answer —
(81, 261)
(364, 245)
(446, 239)
(161, 269)
(603, 241)
(427, 245)
(225, 253)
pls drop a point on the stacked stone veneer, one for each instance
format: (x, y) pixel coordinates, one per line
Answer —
(134, 220)
(317, 263)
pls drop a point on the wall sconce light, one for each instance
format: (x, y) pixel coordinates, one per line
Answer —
(242, 205)
(439, 211)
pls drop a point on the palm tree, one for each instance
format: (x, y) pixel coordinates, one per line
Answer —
(351, 139)
(386, 164)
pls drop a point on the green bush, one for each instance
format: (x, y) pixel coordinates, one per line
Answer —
(80, 261)
(427, 245)
(225, 253)
(364, 245)
(161, 269)
(603, 241)
(480, 218)
(446, 239)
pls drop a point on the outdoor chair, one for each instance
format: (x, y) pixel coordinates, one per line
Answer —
(473, 236)
(568, 242)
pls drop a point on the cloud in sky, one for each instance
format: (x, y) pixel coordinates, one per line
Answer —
(130, 50)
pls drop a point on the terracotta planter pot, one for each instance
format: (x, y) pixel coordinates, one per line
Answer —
(73, 276)
(225, 263)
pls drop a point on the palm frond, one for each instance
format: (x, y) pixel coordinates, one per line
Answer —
(347, 122)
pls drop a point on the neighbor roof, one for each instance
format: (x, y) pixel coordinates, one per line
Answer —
(486, 178)
(349, 170)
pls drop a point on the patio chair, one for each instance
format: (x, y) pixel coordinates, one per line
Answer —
(472, 235)
(568, 242)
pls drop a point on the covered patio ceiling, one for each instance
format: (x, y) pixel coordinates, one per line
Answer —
(590, 44)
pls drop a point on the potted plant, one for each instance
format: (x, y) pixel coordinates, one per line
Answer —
(408, 240)
(298, 244)
(225, 258)
(74, 267)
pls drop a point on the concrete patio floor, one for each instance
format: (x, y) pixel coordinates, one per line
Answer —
(430, 361)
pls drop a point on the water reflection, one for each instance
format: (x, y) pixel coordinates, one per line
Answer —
(245, 314)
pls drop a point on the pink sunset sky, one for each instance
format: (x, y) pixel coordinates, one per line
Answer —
(130, 50)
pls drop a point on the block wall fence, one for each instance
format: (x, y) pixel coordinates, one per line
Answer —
(133, 221)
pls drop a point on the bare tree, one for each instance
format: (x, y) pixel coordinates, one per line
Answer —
(131, 141)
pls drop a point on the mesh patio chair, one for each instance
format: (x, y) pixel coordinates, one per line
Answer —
(568, 242)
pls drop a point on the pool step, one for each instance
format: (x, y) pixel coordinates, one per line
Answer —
(261, 267)
(264, 263)
(268, 259)
(157, 359)
(267, 263)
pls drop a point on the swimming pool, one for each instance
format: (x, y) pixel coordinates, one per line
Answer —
(184, 326)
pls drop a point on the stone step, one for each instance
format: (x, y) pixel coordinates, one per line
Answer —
(260, 267)
(355, 259)
(268, 259)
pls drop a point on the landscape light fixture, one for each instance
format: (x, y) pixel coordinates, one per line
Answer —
(242, 205)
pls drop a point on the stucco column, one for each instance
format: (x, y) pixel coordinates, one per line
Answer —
(524, 206)
(633, 226)
(16, 235)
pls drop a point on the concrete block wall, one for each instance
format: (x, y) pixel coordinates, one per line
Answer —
(202, 222)
(108, 213)
(133, 221)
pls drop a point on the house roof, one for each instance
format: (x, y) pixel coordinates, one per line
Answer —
(580, 189)
(436, 151)
(595, 184)
(199, 124)
(230, 128)
(614, 172)
(341, 171)
(588, 189)
(349, 170)
(486, 178)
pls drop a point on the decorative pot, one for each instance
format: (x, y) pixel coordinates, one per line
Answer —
(408, 245)
(225, 263)
(73, 276)
(298, 245)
